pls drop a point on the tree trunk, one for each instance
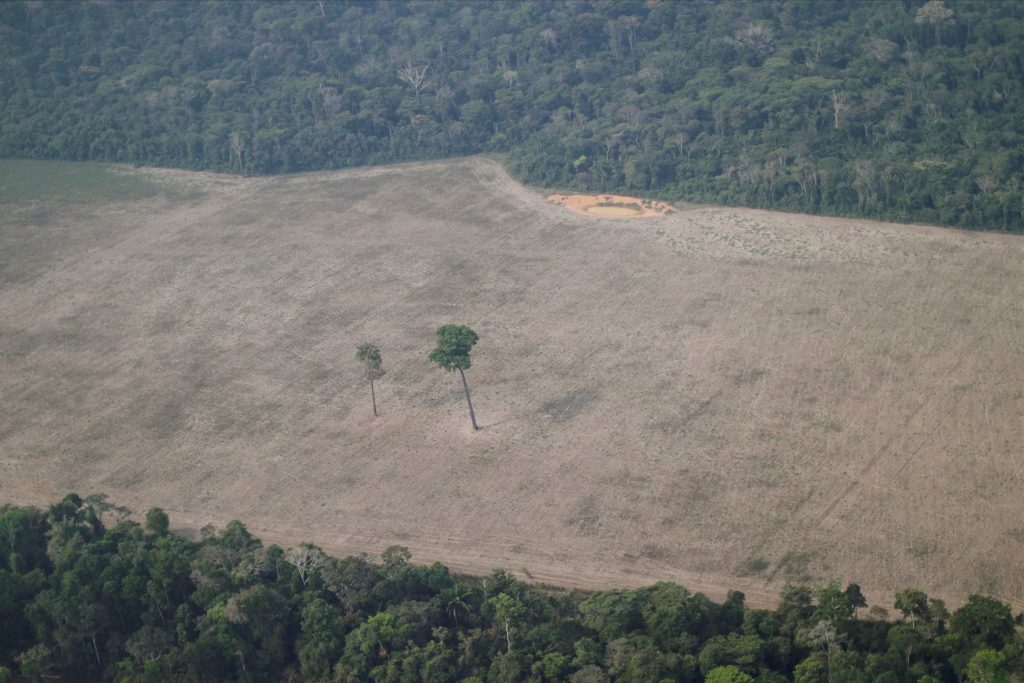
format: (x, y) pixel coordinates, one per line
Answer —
(472, 415)
(373, 397)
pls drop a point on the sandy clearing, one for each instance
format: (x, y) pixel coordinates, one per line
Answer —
(660, 399)
(612, 205)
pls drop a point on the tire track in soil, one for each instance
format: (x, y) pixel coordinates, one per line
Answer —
(874, 460)
(815, 524)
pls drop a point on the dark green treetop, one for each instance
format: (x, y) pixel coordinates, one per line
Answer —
(454, 343)
(370, 355)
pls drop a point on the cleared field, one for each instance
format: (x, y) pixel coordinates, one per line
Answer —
(690, 397)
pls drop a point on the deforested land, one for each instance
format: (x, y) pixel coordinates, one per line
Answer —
(726, 398)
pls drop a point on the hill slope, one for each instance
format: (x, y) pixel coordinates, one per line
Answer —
(669, 397)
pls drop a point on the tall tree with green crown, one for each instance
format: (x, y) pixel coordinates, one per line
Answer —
(370, 355)
(452, 353)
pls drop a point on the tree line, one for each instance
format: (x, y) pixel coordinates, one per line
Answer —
(909, 110)
(86, 594)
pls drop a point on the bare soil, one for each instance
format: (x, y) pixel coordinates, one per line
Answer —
(675, 398)
(612, 205)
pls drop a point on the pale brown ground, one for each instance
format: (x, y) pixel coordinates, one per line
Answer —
(660, 399)
(612, 205)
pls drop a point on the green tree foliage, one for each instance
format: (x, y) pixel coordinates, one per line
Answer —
(728, 674)
(746, 653)
(983, 621)
(857, 599)
(454, 342)
(613, 614)
(157, 522)
(102, 599)
(834, 605)
(913, 603)
(907, 111)
(988, 666)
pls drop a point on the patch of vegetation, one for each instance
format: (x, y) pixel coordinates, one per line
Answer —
(587, 517)
(795, 566)
(654, 551)
(570, 405)
(921, 550)
(483, 459)
(81, 182)
(90, 595)
(755, 564)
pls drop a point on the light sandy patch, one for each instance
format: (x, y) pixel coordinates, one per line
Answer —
(612, 205)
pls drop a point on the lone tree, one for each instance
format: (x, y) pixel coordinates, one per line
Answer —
(370, 354)
(452, 353)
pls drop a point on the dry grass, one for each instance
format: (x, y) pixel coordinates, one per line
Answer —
(665, 398)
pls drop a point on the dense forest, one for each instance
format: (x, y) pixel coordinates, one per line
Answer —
(904, 110)
(86, 594)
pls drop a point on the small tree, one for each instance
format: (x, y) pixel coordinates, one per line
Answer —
(370, 355)
(856, 597)
(834, 605)
(452, 353)
(157, 522)
(913, 603)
